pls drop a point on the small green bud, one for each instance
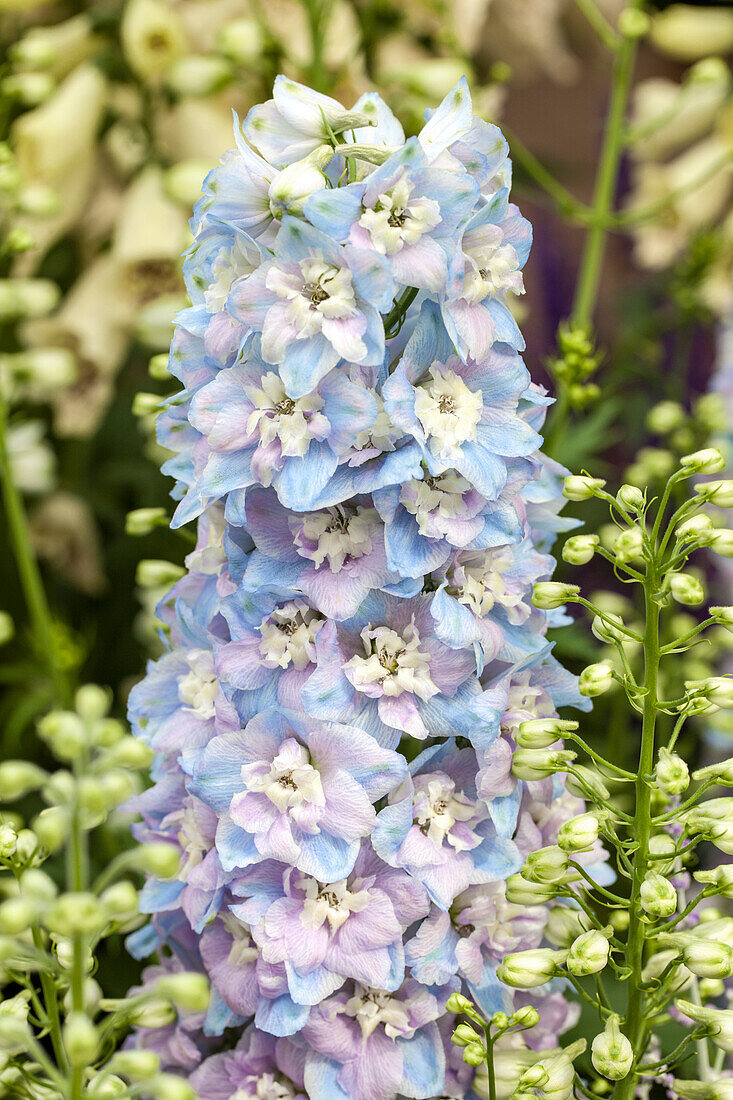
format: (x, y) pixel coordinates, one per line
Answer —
(463, 1035)
(672, 773)
(161, 860)
(658, 897)
(722, 615)
(717, 690)
(37, 886)
(549, 595)
(7, 627)
(241, 41)
(92, 702)
(188, 990)
(720, 542)
(157, 574)
(631, 498)
(564, 925)
(64, 732)
(158, 366)
(665, 417)
(582, 487)
(198, 75)
(138, 1065)
(608, 628)
(475, 1054)
(596, 679)
(52, 827)
(153, 1013)
(167, 1086)
(80, 1039)
(584, 779)
(129, 752)
(17, 915)
(26, 846)
(579, 834)
(579, 549)
(525, 1017)
(708, 959)
(536, 764)
(18, 777)
(8, 841)
(529, 969)
(76, 913)
(708, 461)
(611, 1052)
(547, 865)
(540, 733)
(588, 954)
(146, 404)
(719, 493)
(629, 544)
(458, 1003)
(120, 901)
(520, 891)
(686, 589)
(144, 520)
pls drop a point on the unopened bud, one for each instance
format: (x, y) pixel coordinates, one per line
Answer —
(153, 1013)
(719, 493)
(672, 773)
(64, 732)
(579, 834)
(138, 1065)
(157, 574)
(611, 1052)
(168, 1086)
(549, 595)
(18, 777)
(707, 461)
(547, 865)
(28, 298)
(582, 487)
(721, 879)
(76, 913)
(527, 1016)
(528, 969)
(8, 841)
(520, 891)
(241, 41)
(198, 75)
(144, 520)
(629, 544)
(129, 752)
(631, 498)
(722, 615)
(686, 589)
(658, 896)
(716, 689)
(161, 860)
(695, 529)
(536, 764)
(297, 182)
(92, 702)
(52, 827)
(579, 549)
(189, 991)
(565, 925)
(458, 1003)
(665, 417)
(17, 915)
(608, 628)
(80, 1039)
(540, 733)
(474, 1054)
(120, 901)
(708, 959)
(463, 1035)
(595, 679)
(588, 954)
(720, 542)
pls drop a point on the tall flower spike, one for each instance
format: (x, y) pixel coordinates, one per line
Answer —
(357, 437)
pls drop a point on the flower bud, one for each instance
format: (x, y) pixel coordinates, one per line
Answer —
(120, 901)
(92, 702)
(672, 774)
(152, 37)
(527, 1016)
(37, 885)
(549, 595)
(665, 417)
(719, 493)
(608, 628)
(76, 913)
(721, 878)
(521, 891)
(704, 1090)
(463, 1035)
(720, 542)
(27, 298)
(629, 544)
(474, 1054)
(142, 521)
(579, 833)
(611, 1052)
(579, 549)
(458, 1003)
(187, 990)
(168, 1086)
(146, 404)
(52, 827)
(565, 925)
(198, 75)
(588, 954)
(658, 896)
(64, 732)
(14, 1033)
(716, 689)
(158, 364)
(129, 752)
(694, 529)
(8, 841)
(18, 777)
(108, 1087)
(718, 1021)
(240, 41)
(536, 764)
(153, 1013)
(596, 679)
(722, 615)
(528, 969)
(80, 1039)
(540, 733)
(297, 182)
(708, 959)
(708, 461)
(138, 1065)
(686, 589)
(157, 574)
(548, 864)
(7, 627)
(17, 915)
(581, 487)
(161, 860)
(585, 782)
(631, 498)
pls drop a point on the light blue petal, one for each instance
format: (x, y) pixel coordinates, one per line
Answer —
(281, 1017)
(423, 1064)
(311, 989)
(303, 478)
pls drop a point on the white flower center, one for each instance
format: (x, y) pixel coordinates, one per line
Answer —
(289, 782)
(382, 435)
(447, 410)
(435, 497)
(199, 687)
(191, 837)
(333, 902)
(335, 535)
(397, 220)
(318, 291)
(268, 1086)
(437, 806)
(229, 265)
(393, 661)
(243, 951)
(491, 266)
(372, 1007)
(277, 416)
(289, 635)
(478, 581)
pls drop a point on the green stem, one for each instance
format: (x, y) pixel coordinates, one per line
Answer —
(634, 1016)
(27, 565)
(599, 23)
(317, 11)
(78, 880)
(490, 1062)
(586, 293)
